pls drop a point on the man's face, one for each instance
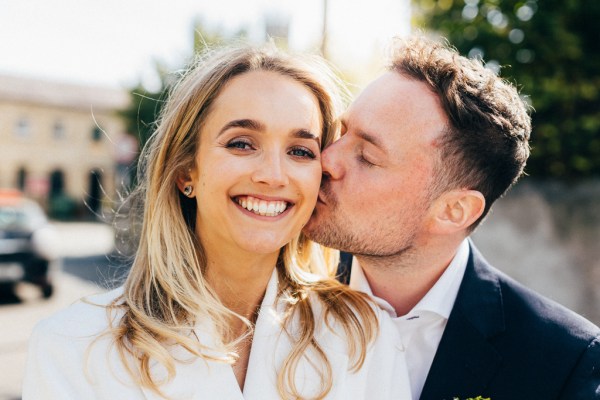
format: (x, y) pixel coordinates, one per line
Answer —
(378, 176)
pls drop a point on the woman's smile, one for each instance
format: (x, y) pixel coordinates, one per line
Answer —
(255, 205)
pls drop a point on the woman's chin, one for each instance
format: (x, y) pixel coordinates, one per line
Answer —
(262, 245)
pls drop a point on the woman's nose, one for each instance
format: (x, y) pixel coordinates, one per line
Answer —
(271, 170)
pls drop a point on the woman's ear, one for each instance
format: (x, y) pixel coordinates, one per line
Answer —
(457, 210)
(185, 182)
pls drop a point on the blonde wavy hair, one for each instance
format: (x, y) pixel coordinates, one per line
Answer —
(166, 292)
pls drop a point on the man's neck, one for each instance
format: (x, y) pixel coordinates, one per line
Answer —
(404, 280)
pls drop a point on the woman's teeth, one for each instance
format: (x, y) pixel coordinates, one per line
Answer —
(262, 207)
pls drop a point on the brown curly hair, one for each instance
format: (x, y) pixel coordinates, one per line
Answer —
(485, 147)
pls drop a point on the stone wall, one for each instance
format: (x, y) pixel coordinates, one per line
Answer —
(546, 235)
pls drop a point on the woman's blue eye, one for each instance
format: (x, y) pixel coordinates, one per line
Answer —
(239, 144)
(302, 152)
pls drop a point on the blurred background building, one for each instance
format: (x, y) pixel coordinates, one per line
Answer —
(62, 143)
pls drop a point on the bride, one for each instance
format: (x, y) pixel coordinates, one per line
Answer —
(226, 299)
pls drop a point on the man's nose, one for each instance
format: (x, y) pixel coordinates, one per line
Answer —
(332, 160)
(271, 170)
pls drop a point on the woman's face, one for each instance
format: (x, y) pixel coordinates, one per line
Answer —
(258, 167)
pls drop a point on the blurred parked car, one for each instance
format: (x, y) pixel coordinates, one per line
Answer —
(27, 243)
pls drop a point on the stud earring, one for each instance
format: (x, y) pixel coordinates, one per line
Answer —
(188, 190)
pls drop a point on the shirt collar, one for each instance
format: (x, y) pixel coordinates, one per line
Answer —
(440, 298)
(359, 282)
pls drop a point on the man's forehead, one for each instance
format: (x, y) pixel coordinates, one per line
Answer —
(385, 97)
(395, 107)
(363, 127)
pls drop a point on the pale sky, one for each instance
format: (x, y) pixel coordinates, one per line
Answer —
(116, 42)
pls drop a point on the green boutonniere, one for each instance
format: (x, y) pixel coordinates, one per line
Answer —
(475, 398)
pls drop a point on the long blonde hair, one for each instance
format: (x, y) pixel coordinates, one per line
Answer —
(166, 293)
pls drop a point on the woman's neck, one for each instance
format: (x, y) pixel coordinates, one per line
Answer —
(240, 281)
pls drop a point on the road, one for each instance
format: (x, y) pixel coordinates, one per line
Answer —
(83, 269)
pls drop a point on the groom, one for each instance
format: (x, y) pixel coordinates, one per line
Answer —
(426, 149)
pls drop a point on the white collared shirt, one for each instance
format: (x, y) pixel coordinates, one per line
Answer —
(422, 328)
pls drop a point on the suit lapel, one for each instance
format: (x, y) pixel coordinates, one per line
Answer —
(466, 360)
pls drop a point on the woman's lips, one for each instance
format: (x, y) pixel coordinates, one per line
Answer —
(262, 207)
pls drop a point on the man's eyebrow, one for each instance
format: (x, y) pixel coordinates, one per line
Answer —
(304, 134)
(243, 123)
(371, 139)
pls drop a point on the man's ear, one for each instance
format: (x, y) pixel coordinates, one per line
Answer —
(457, 210)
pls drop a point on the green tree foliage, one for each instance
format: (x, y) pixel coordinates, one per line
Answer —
(145, 105)
(551, 49)
(143, 110)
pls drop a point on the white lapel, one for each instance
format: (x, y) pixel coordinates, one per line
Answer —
(197, 379)
(201, 379)
(271, 345)
(261, 378)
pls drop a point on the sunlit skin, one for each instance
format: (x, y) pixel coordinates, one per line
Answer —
(261, 139)
(376, 199)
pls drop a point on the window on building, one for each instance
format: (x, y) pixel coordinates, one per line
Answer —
(21, 178)
(94, 198)
(23, 128)
(57, 183)
(96, 133)
(58, 131)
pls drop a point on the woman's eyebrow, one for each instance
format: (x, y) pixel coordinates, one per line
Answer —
(243, 123)
(260, 127)
(304, 134)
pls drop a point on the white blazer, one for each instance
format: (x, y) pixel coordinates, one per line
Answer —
(70, 359)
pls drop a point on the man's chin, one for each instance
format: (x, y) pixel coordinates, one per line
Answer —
(316, 227)
(321, 231)
(311, 226)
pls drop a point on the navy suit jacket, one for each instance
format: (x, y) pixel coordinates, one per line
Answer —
(506, 342)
